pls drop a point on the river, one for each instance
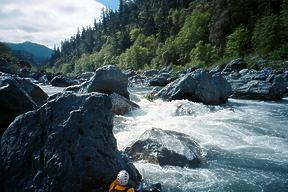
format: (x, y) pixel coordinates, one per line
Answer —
(244, 142)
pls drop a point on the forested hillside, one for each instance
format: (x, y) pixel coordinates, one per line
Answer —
(8, 61)
(36, 54)
(182, 33)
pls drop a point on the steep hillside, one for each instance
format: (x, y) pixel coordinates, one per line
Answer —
(182, 33)
(8, 62)
(33, 53)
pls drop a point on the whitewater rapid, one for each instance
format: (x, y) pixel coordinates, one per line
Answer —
(244, 143)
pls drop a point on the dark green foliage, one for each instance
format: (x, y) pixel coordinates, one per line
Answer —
(203, 55)
(11, 61)
(238, 42)
(270, 36)
(145, 34)
(176, 50)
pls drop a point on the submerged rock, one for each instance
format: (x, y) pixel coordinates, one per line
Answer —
(66, 145)
(121, 105)
(166, 148)
(198, 86)
(108, 79)
(17, 96)
(153, 188)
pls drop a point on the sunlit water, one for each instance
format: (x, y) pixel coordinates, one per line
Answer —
(245, 143)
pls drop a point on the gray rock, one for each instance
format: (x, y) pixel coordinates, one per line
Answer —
(155, 90)
(166, 148)
(243, 72)
(17, 96)
(34, 91)
(167, 69)
(130, 73)
(85, 76)
(235, 65)
(198, 86)
(108, 79)
(151, 72)
(66, 145)
(153, 188)
(259, 85)
(137, 79)
(121, 105)
(260, 90)
(44, 80)
(61, 81)
(161, 80)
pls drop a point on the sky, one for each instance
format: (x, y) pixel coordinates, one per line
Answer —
(47, 22)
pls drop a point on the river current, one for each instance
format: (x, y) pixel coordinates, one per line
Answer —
(244, 142)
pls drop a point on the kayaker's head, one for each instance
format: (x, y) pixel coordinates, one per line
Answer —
(123, 178)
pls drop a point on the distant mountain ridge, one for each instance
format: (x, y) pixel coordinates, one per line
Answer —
(34, 53)
(33, 48)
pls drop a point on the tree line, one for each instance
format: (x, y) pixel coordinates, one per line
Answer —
(181, 33)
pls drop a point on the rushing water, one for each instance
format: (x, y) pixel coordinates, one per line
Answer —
(245, 143)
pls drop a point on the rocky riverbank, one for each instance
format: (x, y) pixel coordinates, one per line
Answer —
(65, 142)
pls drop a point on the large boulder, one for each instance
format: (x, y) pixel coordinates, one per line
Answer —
(85, 76)
(107, 80)
(198, 86)
(17, 96)
(121, 105)
(166, 148)
(66, 145)
(235, 65)
(61, 81)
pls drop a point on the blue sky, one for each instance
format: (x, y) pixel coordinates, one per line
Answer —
(112, 4)
(47, 22)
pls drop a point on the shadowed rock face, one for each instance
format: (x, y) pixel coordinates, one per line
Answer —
(17, 96)
(166, 148)
(198, 86)
(107, 80)
(235, 65)
(66, 145)
(121, 105)
(61, 81)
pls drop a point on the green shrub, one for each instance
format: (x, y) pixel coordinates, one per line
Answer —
(176, 49)
(238, 42)
(89, 62)
(270, 36)
(136, 57)
(203, 55)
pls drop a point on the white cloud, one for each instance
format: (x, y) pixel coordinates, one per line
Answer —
(46, 22)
